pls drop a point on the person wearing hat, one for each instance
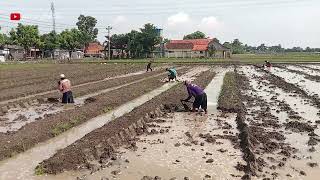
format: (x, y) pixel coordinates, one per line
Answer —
(172, 74)
(200, 97)
(65, 89)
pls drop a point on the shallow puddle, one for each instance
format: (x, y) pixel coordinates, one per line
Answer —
(22, 166)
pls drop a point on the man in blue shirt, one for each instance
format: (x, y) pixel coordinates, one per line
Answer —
(199, 95)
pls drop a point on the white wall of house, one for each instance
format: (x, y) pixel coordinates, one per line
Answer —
(178, 53)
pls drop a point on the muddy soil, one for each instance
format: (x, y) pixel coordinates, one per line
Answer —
(22, 81)
(275, 126)
(100, 144)
(185, 144)
(15, 142)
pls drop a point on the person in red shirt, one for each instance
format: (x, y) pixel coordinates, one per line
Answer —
(65, 89)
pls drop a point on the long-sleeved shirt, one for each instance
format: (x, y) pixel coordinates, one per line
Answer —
(172, 72)
(65, 85)
(194, 90)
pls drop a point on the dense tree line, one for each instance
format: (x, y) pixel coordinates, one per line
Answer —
(238, 47)
(28, 36)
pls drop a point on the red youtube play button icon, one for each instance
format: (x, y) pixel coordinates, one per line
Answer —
(15, 16)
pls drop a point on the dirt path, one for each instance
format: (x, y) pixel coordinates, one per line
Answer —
(22, 167)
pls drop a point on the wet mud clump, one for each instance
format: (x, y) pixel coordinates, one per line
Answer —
(299, 126)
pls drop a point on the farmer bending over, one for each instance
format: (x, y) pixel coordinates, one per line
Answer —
(268, 64)
(172, 74)
(65, 88)
(149, 66)
(199, 95)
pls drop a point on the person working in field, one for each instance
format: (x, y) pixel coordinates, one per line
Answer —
(65, 89)
(172, 74)
(199, 95)
(268, 64)
(149, 66)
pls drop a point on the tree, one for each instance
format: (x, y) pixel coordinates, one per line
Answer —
(50, 42)
(212, 50)
(149, 37)
(237, 47)
(262, 48)
(86, 25)
(70, 40)
(134, 44)
(4, 39)
(195, 35)
(119, 41)
(26, 36)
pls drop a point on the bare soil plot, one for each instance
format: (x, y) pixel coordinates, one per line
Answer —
(21, 81)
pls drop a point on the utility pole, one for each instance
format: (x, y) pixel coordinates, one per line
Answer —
(53, 17)
(53, 23)
(109, 39)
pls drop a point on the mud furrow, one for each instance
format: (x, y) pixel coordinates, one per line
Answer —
(290, 87)
(305, 74)
(276, 115)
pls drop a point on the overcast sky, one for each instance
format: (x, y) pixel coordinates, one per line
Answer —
(286, 22)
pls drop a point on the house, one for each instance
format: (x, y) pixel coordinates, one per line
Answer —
(94, 49)
(196, 48)
(65, 55)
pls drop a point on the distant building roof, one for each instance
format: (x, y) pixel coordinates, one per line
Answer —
(197, 44)
(194, 44)
(93, 48)
(183, 45)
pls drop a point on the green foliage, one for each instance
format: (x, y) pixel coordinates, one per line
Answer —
(86, 25)
(212, 50)
(70, 39)
(39, 170)
(50, 41)
(107, 109)
(4, 39)
(195, 35)
(26, 36)
(138, 43)
(62, 127)
(229, 99)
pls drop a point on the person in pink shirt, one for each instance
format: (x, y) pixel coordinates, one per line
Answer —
(65, 89)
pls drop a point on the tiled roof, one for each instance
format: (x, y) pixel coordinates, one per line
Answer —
(198, 44)
(94, 47)
(182, 45)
